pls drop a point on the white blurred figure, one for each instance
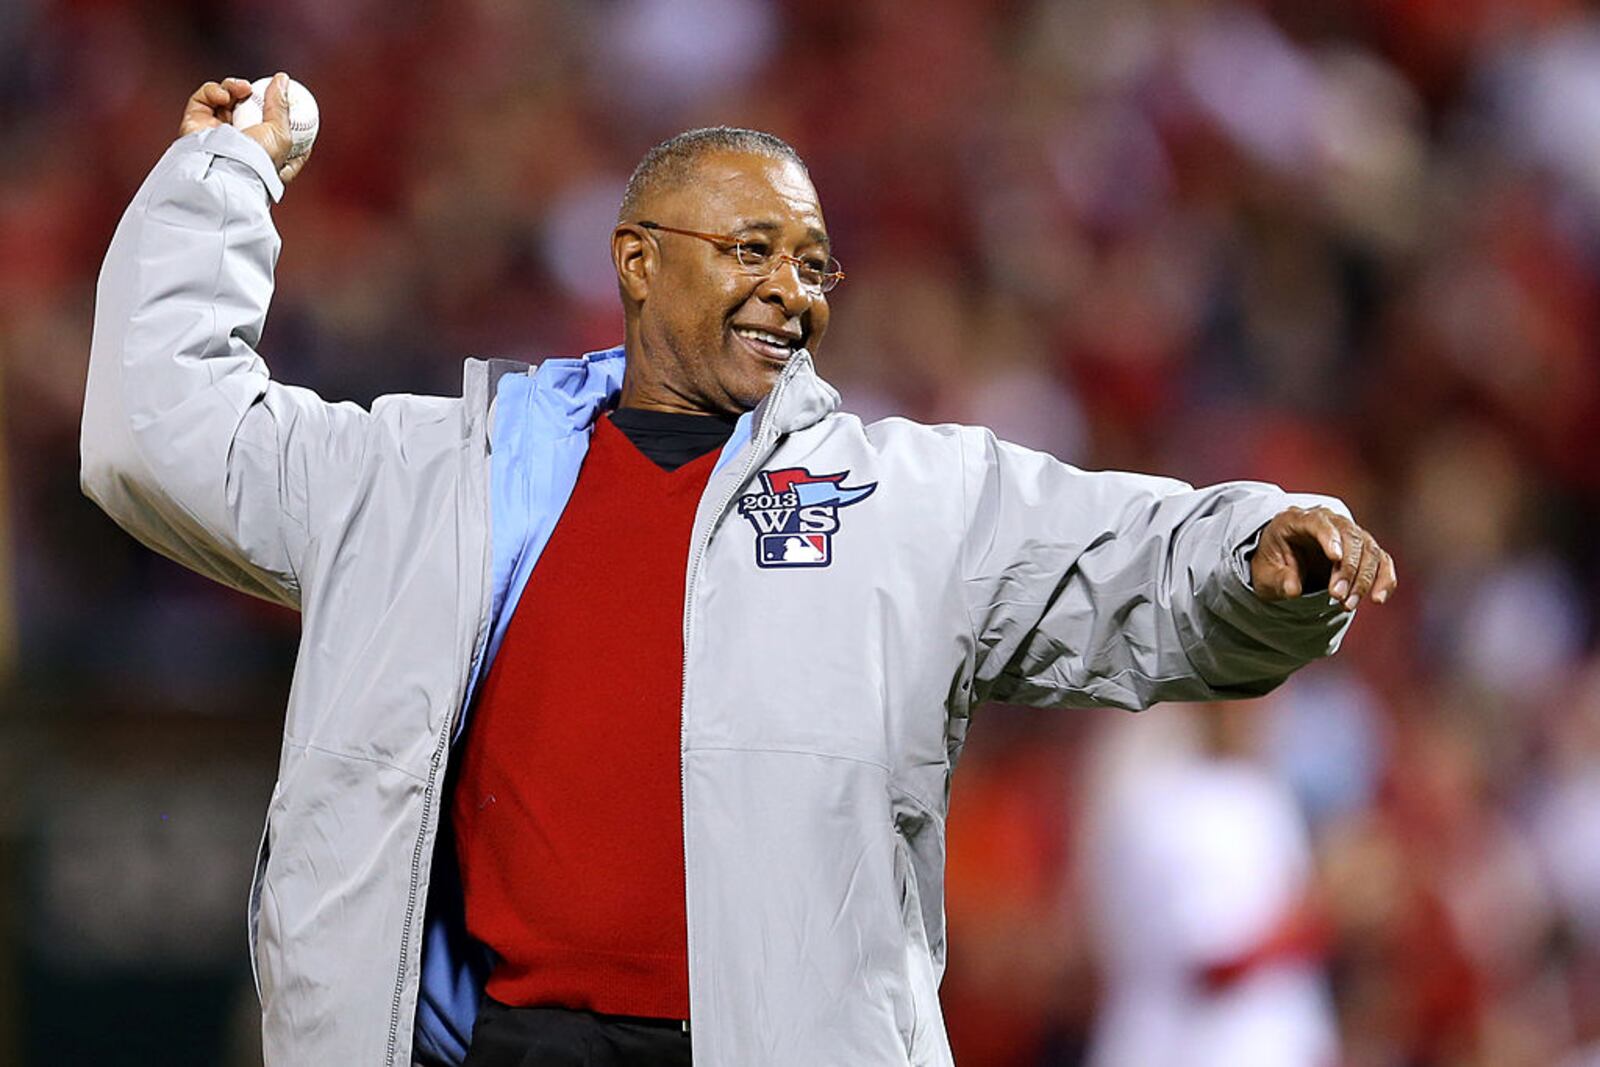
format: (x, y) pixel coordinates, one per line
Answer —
(1324, 735)
(1201, 876)
(1544, 90)
(1589, 1057)
(1566, 834)
(678, 54)
(575, 240)
(1338, 117)
(1523, 632)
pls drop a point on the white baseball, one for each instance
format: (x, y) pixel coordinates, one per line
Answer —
(303, 117)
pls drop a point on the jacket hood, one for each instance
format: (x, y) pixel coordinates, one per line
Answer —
(572, 392)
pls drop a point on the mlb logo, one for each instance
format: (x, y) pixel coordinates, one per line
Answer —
(796, 513)
(794, 550)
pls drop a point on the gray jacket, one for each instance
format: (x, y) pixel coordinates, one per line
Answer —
(853, 592)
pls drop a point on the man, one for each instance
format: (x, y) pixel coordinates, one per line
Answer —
(1228, 972)
(537, 796)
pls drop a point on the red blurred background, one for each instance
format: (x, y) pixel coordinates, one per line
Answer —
(1348, 247)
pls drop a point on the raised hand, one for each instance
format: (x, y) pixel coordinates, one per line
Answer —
(212, 105)
(1308, 550)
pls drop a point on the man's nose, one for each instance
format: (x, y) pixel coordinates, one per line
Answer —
(784, 288)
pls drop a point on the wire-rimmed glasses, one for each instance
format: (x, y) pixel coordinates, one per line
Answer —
(757, 257)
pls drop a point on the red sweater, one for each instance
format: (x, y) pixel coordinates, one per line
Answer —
(568, 809)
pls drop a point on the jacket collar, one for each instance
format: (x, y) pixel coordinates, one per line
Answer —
(572, 393)
(800, 399)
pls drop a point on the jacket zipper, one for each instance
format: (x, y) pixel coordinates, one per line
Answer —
(439, 749)
(758, 450)
(416, 877)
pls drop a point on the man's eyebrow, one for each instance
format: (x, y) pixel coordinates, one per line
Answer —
(813, 234)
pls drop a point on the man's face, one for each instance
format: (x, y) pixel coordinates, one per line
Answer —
(713, 337)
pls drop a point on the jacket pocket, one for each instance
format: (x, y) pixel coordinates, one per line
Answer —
(927, 1045)
(253, 913)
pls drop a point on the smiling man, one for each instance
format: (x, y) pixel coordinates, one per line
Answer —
(631, 686)
(731, 308)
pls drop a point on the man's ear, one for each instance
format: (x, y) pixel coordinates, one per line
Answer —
(634, 256)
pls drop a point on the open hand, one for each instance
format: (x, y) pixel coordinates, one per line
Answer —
(1307, 550)
(212, 105)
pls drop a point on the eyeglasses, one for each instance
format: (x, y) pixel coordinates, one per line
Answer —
(757, 257)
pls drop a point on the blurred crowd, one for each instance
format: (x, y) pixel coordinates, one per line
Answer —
(1350, 247)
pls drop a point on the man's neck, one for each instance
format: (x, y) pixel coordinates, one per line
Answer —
(648, 397)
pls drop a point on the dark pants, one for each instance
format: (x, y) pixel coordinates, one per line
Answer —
(557, 1037)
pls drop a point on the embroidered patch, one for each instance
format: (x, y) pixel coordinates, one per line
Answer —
(797, 514)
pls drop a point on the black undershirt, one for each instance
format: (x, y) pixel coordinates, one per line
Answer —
(672, 439)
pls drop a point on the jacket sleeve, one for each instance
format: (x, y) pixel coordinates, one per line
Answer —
(186, 441)
(1123, 589)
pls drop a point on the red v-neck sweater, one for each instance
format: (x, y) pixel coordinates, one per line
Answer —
(568, 809)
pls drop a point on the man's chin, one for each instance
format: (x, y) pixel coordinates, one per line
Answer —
(746, 394)
(758, 375)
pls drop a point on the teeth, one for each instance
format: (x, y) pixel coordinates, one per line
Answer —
(763, 335)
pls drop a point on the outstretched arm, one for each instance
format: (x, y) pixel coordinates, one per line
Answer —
(1123, 589)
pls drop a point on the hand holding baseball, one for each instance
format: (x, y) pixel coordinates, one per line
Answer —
(213, 105)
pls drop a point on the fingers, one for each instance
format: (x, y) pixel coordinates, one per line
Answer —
(1284, 583)
(212, 105)
(1273, 575)
(1320, 523)
(1320, 549)
(275, 108)
(1317, 525)
(1341, 584)
(1285, 560)
(1292, 554)
(1387, 579)
(1366, 571)
(272, 132)
(200, 110)
(291, 168)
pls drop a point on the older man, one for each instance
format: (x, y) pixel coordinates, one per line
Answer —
(631, 686)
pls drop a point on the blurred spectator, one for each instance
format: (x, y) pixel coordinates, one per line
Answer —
(1351, 246)
(1206, 917)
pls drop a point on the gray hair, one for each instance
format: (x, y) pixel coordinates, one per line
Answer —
(671, 161)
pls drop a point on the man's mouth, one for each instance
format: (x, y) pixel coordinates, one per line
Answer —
(769, 343)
